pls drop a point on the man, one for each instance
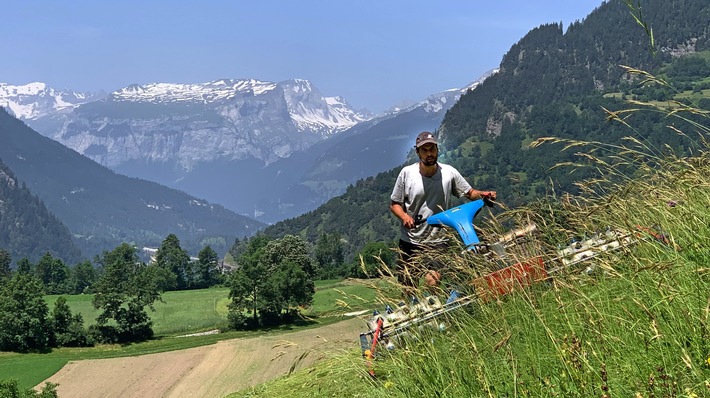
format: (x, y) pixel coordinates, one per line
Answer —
(423, 189)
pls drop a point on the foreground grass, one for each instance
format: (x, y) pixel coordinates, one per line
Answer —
(638, 325)
(182, 313)
(630, 331)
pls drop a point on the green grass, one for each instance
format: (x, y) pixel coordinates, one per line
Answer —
(336, 297)
(181, 313)
(636, 326)
(190, 311)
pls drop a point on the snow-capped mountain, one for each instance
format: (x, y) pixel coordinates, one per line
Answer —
(183, 125)
(37, 100)
(443, 100)
(212, 92)
(309, 110)
(242, 143)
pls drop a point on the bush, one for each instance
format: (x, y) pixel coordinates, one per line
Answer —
(133, 325)
(239, 321)
(10, 389)
(75, 335)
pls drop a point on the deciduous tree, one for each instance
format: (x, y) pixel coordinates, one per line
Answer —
(329, 256)
(24, 266)
(11, 389)
(371, 259)
(247, 283)
(273, 277)
(84, 275)
(24, 325)
(53, 273)
(68, 328)
(126, 287)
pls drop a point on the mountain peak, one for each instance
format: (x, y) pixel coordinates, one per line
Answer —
(214, 91)
(298, 84)
(310, 110)
(35, 100)
(33, 88)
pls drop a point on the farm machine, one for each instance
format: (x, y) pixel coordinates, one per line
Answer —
(514, 261)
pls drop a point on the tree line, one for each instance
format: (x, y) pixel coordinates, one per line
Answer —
(123, 287)
(27, 228)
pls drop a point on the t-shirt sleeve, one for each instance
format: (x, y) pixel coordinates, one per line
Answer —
(398, 190)
(460, 186)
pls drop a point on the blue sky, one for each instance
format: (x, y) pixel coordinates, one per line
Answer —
(374, 53)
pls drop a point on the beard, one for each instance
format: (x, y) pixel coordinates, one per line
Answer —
(430, 161)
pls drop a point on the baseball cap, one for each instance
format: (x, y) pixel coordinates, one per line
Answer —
(425, 138)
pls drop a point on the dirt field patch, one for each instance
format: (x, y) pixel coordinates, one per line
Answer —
(210, 371)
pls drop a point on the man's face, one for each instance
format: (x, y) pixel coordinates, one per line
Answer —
(428, 154)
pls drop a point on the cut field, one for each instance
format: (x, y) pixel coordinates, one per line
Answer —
(210, 371)
(175, 360)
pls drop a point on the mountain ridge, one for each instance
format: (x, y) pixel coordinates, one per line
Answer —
(102, 208)
(28, 228)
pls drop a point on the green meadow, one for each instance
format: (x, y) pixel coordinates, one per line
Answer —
(181, 313)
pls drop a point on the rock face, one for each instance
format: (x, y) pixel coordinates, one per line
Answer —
(183, 125)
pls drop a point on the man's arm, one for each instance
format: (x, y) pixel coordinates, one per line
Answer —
(474, 194)
(398, 210)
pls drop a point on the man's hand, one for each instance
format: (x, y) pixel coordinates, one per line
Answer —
(489, 195)
(398, 210)
(407, 221)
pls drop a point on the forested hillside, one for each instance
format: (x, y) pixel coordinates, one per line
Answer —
(27, 228)
(103, 209)
(552, 83)
(555, 84)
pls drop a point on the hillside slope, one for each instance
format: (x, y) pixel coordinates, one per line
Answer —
(27, 228)
(103, 209)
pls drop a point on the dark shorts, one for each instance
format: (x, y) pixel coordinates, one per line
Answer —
(408, 276)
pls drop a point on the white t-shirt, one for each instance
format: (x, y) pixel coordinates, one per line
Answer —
(426, 196)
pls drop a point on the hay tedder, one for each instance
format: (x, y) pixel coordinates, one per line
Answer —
(513, 261)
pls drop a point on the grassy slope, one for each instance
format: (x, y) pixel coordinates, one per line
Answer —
(638, 324)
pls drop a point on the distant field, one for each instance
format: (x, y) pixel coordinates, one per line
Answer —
(190, 311)
(182, 312)
(336, 297)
